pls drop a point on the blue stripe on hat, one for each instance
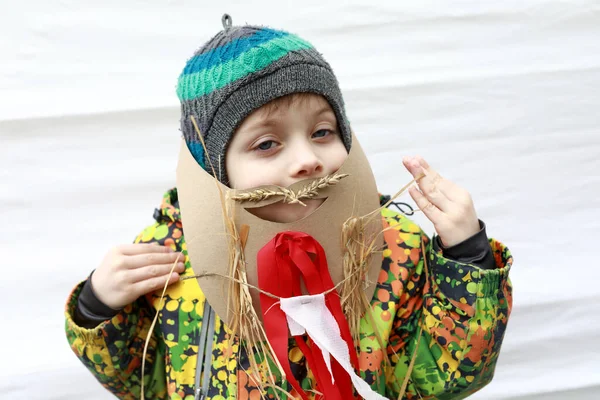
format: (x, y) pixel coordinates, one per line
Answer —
(197, 151)
(230, 50)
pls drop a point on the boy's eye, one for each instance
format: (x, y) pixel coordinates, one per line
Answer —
(322, 133)
(266, 145)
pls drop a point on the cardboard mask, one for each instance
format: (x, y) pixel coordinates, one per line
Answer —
(206, 236)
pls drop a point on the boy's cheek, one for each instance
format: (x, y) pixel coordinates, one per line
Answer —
(335, 156)
(242, 173)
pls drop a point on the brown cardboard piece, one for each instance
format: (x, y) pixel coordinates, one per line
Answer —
(205, 233)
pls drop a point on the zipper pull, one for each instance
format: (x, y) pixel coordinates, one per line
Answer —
(199, 395)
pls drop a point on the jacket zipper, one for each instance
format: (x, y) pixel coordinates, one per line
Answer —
(205, 345)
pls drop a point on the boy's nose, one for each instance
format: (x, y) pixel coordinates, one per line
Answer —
(307, 164)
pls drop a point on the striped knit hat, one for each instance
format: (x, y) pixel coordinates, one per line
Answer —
(241, 69)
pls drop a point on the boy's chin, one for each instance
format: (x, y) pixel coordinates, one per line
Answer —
(286, 213)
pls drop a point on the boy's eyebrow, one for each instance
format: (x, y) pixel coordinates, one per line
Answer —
(268, 122)
(271, 121)
(325, 109)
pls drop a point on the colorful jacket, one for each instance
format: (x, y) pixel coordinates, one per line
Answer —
(455, 322)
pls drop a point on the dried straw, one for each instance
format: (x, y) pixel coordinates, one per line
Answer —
(358, 250)
(310, 191)
(414, 356)
(160, 305)
(377, 212)
(243, 320)
(355, 261)
(206, 274)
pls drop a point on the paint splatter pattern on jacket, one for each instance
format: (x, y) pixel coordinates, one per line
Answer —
(451, 316)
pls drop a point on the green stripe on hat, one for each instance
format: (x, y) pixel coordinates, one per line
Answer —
(203, 82)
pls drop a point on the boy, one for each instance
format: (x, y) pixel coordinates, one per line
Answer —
(270, 113)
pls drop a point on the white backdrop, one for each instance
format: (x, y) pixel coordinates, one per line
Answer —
(502, 97)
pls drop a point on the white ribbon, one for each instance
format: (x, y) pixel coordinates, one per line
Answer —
(310, 314)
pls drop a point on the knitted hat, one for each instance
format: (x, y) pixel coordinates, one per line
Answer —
(241, 69)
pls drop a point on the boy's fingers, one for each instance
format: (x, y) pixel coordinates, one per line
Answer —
(410, 166)
(451, 190)
(143, 260)
(156, 283)
(142, 248)
(432, 186)
(152, 271)
(422, 161)
(430, 182)
(416, 166)
(430, 210)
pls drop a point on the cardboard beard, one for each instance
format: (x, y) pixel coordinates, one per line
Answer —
(298, 262)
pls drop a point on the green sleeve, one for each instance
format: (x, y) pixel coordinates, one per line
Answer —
(452, 320)
(113, 350)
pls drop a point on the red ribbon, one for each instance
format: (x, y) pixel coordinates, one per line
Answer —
(286, 259)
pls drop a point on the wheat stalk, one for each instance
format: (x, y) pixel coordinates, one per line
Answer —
(289, 196)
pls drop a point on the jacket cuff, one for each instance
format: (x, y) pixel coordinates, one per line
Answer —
(466, 282)
(475, 250)
(88, 334)
(90, 310)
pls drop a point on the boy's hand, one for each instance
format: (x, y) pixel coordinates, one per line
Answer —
(132, 270)
(447, 205)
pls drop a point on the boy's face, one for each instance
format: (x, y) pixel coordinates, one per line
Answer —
(282, 145)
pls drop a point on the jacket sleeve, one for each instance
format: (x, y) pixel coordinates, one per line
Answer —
(451, 316)
(113, 350)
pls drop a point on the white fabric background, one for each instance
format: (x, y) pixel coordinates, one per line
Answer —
(502, 97)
